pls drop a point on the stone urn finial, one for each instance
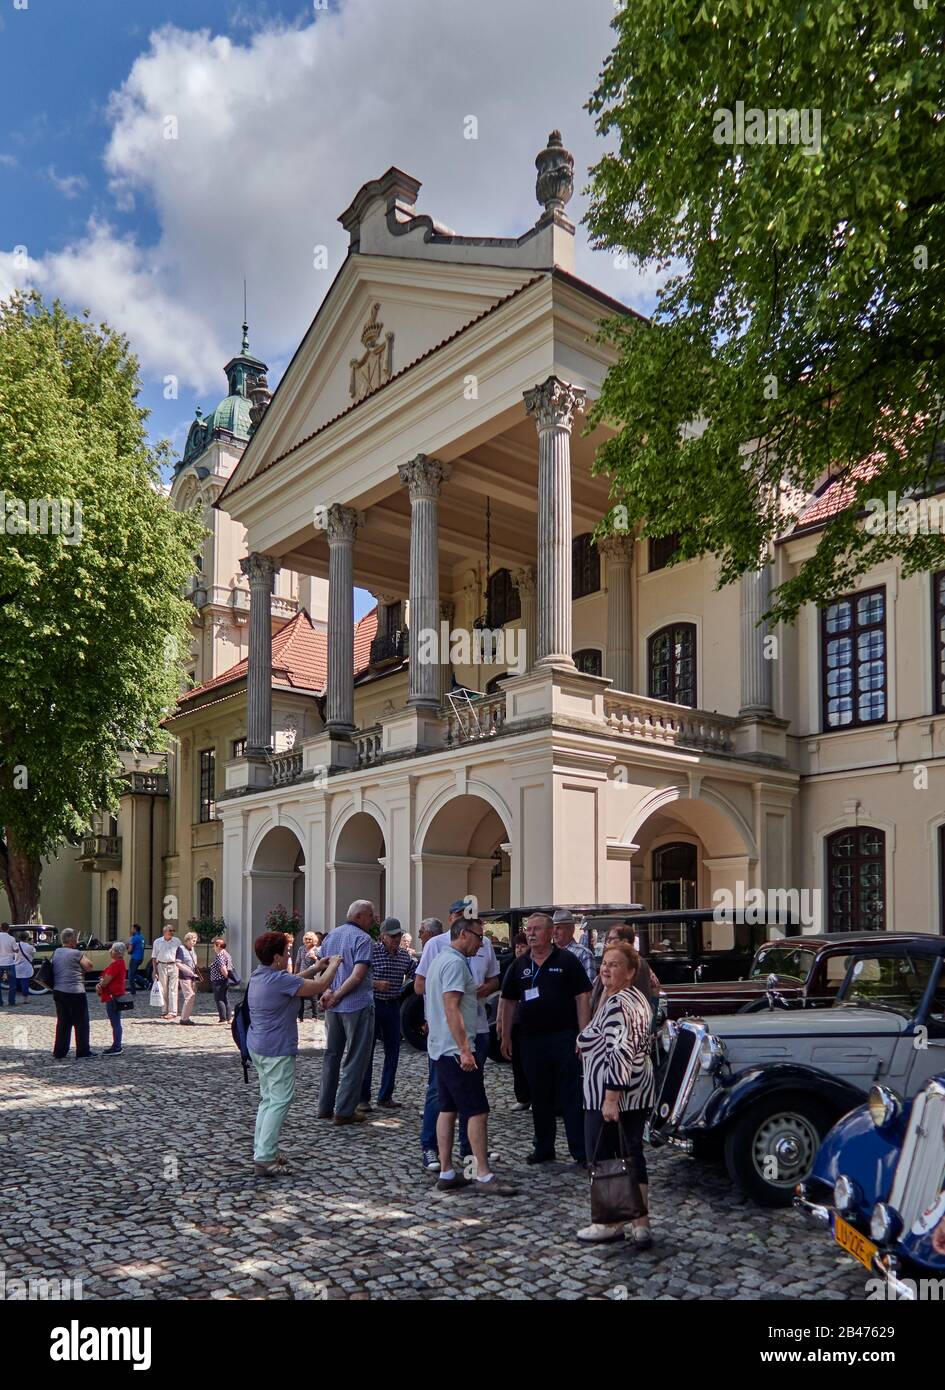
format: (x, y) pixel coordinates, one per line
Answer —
(555, 183)
(260, 396)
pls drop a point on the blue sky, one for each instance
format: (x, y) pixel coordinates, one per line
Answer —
(282, 111)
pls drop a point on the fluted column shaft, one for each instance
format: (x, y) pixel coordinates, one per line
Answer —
(553, 405)
(259, 569)
(341, 527)
(423, 478)
(618, 551)
(444, 671)
(526, 583)
(755, 669)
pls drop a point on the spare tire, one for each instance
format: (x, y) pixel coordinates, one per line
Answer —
(412, 1022)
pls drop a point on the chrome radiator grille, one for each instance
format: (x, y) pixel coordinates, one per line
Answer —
(678, 1077)
(920, 1172)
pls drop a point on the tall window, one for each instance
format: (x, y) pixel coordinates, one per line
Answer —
(661, 551)
(205, 897)
(208, 779)
(672, 664)
(938, 639)
(856, 880)
(585, 566)
(505, 606)
(239, 748)
(588, 660)
(111, 915)
(853, 660)
(674, 877)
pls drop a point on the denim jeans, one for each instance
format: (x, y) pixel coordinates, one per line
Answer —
(114, 1018)
(10, 972)
(276, 1090)
(431, 1102)
(23, 985)
(387, 1028)
(134, 965)
(347, 1057)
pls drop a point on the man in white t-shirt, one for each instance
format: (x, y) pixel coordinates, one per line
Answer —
(7, 963)
(485, 971)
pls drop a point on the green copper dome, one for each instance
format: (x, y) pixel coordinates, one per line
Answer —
(231, 418)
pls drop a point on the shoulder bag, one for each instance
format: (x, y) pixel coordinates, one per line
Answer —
(615, 1192)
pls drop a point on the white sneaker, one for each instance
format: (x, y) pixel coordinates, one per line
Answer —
(595, 1234)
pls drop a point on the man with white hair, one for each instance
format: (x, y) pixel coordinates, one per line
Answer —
(349, 1006)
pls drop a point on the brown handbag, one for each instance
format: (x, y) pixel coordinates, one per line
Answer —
(615, 1192)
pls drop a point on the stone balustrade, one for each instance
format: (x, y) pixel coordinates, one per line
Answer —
(478, 720)
(286, 767)
(656, 721)
(368, 744)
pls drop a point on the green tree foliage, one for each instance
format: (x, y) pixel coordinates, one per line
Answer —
(803, 305)
(92, 625)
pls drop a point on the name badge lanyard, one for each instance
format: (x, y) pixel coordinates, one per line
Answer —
(532, 992)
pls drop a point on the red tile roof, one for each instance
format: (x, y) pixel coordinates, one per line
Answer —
(837, 494)
(299, 658)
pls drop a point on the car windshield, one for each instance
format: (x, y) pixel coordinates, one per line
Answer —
(894, 982)
(791, 961)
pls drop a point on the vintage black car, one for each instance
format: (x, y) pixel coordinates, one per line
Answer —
(704, 945)
(791, 972)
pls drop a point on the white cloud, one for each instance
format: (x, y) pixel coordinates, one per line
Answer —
(69, 185)
(247, 152)
(8, 161)
(18, 271)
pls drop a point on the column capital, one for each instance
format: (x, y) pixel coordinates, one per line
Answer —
(617, 549)
(341, 524)
(259, 567)
(554, 403)
(385, 600)
(423, 476)
(525, 581)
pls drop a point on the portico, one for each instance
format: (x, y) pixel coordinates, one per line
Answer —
(456, 480)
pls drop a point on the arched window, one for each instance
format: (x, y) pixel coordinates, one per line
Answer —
(674, 877)
(505, 606)
(205, 897)
(588, 660)
(672, 664)
(856, 880)
(585, 566)
(111, 915)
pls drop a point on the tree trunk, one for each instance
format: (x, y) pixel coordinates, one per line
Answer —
(20, 875)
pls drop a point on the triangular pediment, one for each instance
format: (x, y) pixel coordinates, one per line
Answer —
(381, 315)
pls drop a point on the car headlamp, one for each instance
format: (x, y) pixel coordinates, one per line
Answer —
(884, 1106)
(885, 1224)
(711, 1052)
(667, 1036)
(846, 1194)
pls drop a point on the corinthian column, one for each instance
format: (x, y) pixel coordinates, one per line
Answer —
(423, 478)
(259, 569)
(553, 405)
(755, 669)
(341, 527)
(618, 551)
(526, 584)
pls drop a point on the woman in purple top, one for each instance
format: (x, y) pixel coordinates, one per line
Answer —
(273, 1039)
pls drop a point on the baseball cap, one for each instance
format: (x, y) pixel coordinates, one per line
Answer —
(459, 905)
(391, 927)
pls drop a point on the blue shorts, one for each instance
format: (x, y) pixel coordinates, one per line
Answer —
(460, 1092)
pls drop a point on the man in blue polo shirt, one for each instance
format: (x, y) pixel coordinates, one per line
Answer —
(350, 1009)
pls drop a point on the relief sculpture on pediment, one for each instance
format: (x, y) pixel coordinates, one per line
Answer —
(374, 368)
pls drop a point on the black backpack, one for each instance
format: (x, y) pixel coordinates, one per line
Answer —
(240, 1030)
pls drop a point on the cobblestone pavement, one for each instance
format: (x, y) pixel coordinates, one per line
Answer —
(85, 1147)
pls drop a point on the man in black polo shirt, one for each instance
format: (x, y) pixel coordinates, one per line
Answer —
(555, 995)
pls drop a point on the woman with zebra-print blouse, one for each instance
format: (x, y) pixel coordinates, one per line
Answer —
(615, 1049)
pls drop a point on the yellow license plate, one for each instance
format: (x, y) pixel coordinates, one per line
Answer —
(858, 1246)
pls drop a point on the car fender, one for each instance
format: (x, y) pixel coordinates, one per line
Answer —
(858, 1150)
(735, 1094)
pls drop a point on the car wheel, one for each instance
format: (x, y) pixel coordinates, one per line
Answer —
(411, 1022)
(37, 988)
(770, 1148)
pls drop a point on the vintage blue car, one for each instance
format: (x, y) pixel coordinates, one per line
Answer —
(878, 1185)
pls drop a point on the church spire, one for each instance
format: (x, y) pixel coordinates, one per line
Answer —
(244, 346)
